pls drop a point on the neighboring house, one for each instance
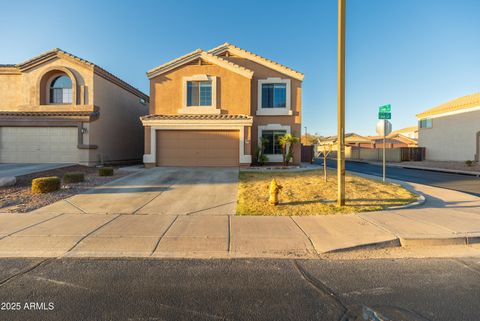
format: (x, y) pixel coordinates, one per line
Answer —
(451, 131)
(394, 141)
(410, 132)
(211, 108)
(58, 108)
(351, 139)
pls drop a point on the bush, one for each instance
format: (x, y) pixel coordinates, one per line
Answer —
(45, 184)
(469, 163)
(105, 171)
(73, 177)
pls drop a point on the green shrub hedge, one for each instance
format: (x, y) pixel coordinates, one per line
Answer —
(45, 184)
(105, 171)
(73, 177)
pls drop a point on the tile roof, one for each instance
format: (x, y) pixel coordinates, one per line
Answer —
(460, 103)
(48, 113)
(197, 117)
(262, 60)
(51, 54)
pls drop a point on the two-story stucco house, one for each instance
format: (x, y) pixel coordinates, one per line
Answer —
(58, 108)
(211, 108)
(451, 131)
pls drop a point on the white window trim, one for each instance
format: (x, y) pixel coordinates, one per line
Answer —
(273, 158)
(200, 109)
(274, 111)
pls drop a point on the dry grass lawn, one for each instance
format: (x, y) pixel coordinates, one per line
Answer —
(305, 193)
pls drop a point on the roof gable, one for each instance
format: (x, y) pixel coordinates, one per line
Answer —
(199, 54)
(256, 58)
(58, 53)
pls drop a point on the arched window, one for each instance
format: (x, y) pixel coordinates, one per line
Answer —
(61, 90)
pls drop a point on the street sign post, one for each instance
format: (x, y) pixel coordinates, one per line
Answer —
(384, 127)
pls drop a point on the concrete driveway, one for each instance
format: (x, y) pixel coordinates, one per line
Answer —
(164, 191)
(24, 169)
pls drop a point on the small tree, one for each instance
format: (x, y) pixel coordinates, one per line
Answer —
(287, 141)
(325, 156)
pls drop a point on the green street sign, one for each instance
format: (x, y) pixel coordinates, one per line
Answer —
(385, 109)
(384, 115)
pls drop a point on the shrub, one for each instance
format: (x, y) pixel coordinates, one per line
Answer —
(73, 177)
(469, 163)
(105, 171)
(45, 184)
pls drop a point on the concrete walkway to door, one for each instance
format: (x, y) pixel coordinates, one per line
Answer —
(163, 191)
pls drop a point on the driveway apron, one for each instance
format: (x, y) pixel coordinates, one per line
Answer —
(167, 191)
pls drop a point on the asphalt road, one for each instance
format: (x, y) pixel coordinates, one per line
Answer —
(122, 289)
(463, 183)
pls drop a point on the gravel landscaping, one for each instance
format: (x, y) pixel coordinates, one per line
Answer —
(20, 199)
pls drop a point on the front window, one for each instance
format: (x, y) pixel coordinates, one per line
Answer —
(199, 93)
(61, 90)
(274, 95)
(425, 123)
(272, 145)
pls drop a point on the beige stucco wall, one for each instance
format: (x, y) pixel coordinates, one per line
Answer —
(9, 90)
(294, 121)
(118, 132)
(233, 89)
(451, 137)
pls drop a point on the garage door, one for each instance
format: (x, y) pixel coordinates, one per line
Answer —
(38, 145)
(197, 148)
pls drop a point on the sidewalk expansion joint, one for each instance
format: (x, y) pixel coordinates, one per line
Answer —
(27, 227)
(90, 233)
(306, 235)
(229, 234)
(163, 234)
(77, 207)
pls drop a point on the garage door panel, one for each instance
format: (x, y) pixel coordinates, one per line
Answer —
(197, 148)
(38, 145)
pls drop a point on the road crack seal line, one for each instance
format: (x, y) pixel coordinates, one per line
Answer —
(467, 266)
(25, 271)
(163, 234)
(323, 289)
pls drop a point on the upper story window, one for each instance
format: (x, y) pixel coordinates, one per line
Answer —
(199, 93)
(61, 90)
(425, 123)
(274, 95)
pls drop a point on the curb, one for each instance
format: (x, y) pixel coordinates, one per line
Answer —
(420, 198)
(369, 246)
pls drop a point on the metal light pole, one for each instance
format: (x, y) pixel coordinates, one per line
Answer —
(341, 105)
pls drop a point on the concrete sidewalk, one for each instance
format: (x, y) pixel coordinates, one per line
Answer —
(447, 217)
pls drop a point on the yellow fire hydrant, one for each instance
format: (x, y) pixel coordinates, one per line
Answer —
(274, 190)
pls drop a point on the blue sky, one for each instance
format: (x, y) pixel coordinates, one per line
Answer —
(413, 54)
